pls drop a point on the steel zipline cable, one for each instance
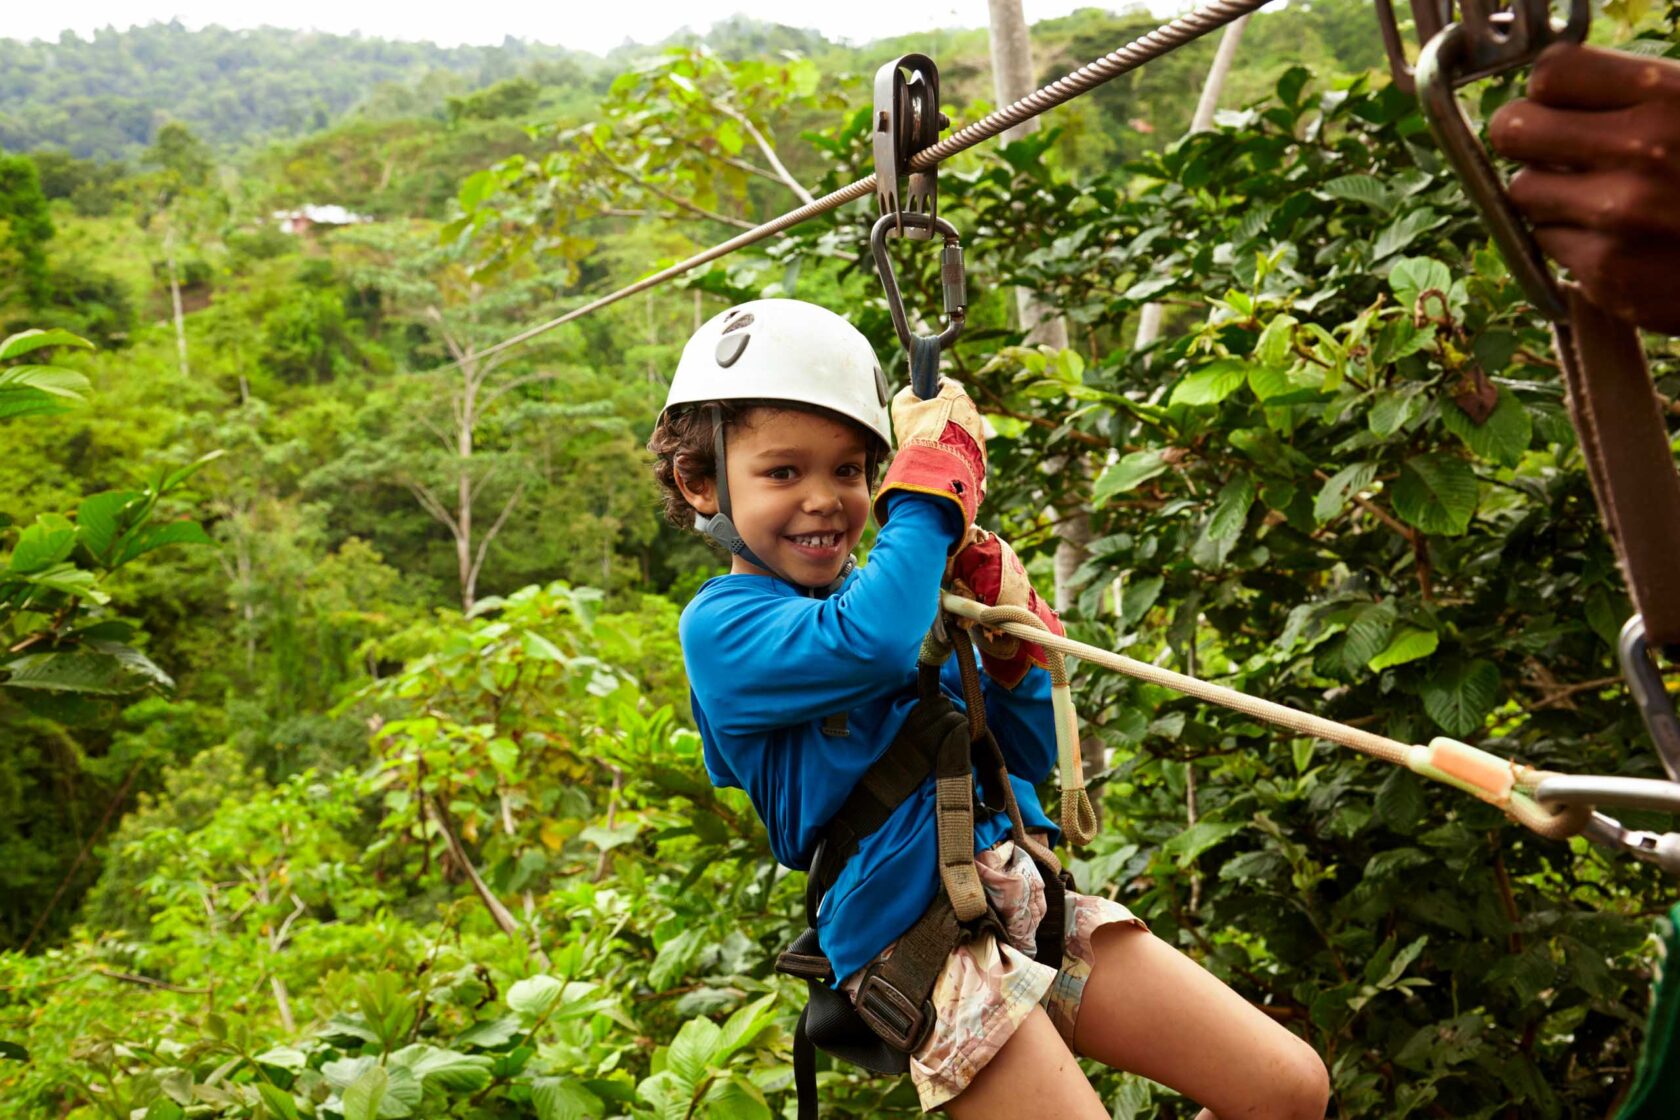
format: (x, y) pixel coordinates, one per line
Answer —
(1163, 40)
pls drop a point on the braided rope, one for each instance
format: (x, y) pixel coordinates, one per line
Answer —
(1507, 785)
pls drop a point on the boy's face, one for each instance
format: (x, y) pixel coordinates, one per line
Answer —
(798, 491)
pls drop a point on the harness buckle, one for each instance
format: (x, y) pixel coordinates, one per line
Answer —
(892, 1015)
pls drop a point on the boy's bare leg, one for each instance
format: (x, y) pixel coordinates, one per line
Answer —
(1150, 1010)
(1034, 1075)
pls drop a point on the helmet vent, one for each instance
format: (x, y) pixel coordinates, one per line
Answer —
(738, 322)
(731, 346)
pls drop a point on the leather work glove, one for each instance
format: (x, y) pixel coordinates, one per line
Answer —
(986, 569)
(941, 450)
(1600, 133)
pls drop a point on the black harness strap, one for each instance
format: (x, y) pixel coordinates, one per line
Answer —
(893, 1012)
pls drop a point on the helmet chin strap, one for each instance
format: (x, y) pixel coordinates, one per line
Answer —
(721, 527)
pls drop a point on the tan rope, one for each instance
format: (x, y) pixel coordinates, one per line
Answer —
(1500, 782)
(1164, 39)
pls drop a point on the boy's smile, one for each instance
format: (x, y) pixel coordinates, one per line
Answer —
(798, 491)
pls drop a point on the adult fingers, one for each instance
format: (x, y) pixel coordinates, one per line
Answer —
(1570, 76)
(1619, 201)
(1633, 279)
(1645, 137)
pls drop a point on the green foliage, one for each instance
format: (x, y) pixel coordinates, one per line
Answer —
(25, 230)
(388, 858)
(107, 97)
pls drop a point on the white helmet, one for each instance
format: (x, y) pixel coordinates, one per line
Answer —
(784, 350)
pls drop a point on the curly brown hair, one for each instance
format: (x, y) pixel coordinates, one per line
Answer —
(682, 445)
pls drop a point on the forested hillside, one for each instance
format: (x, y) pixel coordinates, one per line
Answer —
(105, 97)
(346, 767)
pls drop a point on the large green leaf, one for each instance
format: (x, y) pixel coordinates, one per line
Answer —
(1502, 438)
(47, 542)
(1212, 383)
(1340, 488)
(1460, 694)
(692, 1050)
(278, 1101)
(561, 1098)
(52, 380)
(534, 995)
(156, 536)
(1404, 230)
(1230, 509)
(1360, 188)
(1130, 472)
(98, 519)
(24, 342)
(97, 669)
(364, 1096)
(442, 1069)
(1408, 644)
(1436, 493)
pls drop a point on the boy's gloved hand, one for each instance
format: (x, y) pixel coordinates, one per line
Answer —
(941, 450)
(1600, 132)
(986, 569)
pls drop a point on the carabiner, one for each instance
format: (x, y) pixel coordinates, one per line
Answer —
(1645, 682)
(924, 373)
(1659, 848)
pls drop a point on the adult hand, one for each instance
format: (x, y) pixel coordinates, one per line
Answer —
(941, 450)
(1600, 135)
(986, 569)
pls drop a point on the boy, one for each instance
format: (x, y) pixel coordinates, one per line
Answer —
(804, 671)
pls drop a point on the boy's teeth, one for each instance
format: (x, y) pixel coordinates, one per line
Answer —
(817, 540)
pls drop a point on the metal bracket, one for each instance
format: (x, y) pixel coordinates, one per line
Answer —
(1645, 682)
(1501, 37)
(952, 281)
(907, 119)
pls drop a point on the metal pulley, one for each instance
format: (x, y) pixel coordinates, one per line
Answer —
(907, 120)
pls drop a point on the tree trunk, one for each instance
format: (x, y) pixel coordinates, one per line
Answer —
(175, 299)
(1149, 316)
(1012, 79)
(463, 484)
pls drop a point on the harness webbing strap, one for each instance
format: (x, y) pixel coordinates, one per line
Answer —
(1613, 402)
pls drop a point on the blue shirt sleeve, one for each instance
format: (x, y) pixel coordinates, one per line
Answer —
(761, 656)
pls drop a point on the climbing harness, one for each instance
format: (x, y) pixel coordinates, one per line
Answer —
(893, 1013)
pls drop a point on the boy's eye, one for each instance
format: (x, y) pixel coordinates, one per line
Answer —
(851, 470)
(781, 474)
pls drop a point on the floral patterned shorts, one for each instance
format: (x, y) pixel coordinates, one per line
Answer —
(987, 989)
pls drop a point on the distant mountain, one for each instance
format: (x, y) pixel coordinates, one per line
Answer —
(105, 98)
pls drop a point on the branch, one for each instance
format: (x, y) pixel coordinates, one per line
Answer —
(1373, 509)
(674, 200)
(429, 502)
(502, 916)
(148, 982)
(769, 152)
(495, 527)
(519, 382)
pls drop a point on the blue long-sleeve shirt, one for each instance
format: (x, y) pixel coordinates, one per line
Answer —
(767, 665)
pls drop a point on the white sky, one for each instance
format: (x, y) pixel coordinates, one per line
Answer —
(593, 25)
